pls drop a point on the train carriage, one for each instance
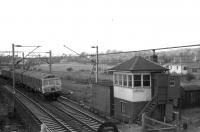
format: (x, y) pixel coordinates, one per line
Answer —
(18, 76)
(47, 84)
(6, 73)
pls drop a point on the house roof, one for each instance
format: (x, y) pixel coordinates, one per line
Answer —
(138, 63)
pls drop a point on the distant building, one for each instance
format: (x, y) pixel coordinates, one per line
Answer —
(184, 68)
(177, 68)
(184, 64)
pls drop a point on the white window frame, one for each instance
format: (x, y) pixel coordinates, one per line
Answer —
(143, 80)
(123, 80)
(120, 81)
(142, 86)
(134, 81)
(117, 74)
(131, 80)
(117, 78)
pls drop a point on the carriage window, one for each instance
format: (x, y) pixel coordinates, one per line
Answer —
(194, 70)
(184, 68)
(130, 80)
(58, 82)
(125, 80)
(146, 80)
(137, 80)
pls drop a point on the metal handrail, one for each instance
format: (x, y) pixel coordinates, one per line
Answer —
(143, 109)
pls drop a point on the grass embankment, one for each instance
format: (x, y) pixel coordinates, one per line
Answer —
(76, 77)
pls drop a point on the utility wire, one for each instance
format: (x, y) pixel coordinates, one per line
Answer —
(84, 56)
(72, 50)
(155, 49)
(27, 55)
(148, 49)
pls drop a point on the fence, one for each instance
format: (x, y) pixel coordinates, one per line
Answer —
(152, 125)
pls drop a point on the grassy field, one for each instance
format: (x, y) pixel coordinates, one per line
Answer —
(78, 71)
(76, 67)
(76, 80)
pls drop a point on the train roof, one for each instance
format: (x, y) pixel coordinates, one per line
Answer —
(6, 69)
(37, 74)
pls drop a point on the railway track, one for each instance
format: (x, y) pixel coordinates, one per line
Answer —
(60, 116)
(53, 123)
(89, 120)
(60, 111)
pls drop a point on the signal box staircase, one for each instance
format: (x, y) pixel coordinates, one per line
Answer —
(147, 109)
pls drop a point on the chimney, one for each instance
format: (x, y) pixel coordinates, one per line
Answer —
(154, 57)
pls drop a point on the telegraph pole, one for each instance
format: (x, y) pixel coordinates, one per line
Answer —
(50, 62)
(97, 62)
(13, 67)
(23, 60)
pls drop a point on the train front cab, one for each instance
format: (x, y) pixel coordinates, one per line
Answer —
(51, 88)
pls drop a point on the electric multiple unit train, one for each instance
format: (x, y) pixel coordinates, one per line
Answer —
(46, 84)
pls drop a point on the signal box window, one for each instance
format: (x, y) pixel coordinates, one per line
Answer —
(125, 80)
(123, 106)
(130, 81)
(146, 80)
(120, 79)
(137, 80)
(116, 78)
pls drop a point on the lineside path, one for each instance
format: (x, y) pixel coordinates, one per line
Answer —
(52, 123)
(81, 114)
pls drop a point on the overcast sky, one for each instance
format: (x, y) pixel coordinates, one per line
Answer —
(111, 24)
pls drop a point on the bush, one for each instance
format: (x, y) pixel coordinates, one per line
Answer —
(189, 77)
(67, 78)
(69, 69)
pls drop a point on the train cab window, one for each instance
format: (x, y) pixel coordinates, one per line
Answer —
(130, 81)
(51, 82)
(45, 82)
(146, 80)
(137, 81)
(124, 80)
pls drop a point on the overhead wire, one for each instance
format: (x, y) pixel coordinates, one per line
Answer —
(154, 49)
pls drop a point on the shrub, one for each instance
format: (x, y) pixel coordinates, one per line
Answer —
(189, 77)
(69, 69)
(67, 77)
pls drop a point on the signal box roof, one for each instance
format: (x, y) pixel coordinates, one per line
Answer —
(138, 63)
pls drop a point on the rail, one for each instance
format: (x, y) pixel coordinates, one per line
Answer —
(97, 119)
(153, 125)
(53, 123)
(90, 121)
